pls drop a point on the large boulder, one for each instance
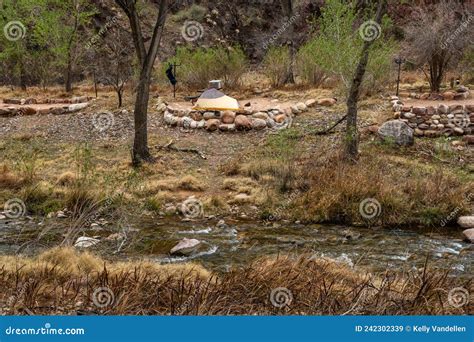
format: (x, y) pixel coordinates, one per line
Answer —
(301, 107)
(196, 116)
(466, 221)
(469, 139)
(281, 118)
(227, 127)
(186, 247)
(228, 117)
(77, 107)
(6, 112)
(469, 235)
(398, 132)
(259, 124)
(212, 124)
(85, 242)
(209, 116)
(448, 95)
(327, 102)
(260, 115)
(242, 123)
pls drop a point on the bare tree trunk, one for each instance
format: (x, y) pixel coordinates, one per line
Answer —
(288, 9)
(140, 143)
(147, 58)
(120, 98)
(352, 134)
(437, 69)
(69, 77)
(22, 78)
(95, 83)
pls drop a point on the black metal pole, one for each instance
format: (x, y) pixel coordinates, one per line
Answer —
(398, 79)
(174, 85)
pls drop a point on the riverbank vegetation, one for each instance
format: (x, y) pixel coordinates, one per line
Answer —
(62, 281)
(284, 179)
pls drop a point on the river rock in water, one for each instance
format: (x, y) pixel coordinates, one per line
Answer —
(469, 235)
(85, 242)
(185, 247)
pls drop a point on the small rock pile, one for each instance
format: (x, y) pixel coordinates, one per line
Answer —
(430, 121)
(244, 119)
(26, 107)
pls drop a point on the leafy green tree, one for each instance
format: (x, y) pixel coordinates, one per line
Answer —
(17, 21)
(337, 45)
(61, 29)
(41, 37)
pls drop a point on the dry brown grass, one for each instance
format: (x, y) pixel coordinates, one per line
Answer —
(9, 180)
(62, 281)
(408, 195)
(67, 178)
(186, 183)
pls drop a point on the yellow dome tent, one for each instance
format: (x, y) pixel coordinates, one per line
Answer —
(213, 99)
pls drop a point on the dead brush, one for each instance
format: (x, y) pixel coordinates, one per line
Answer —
(407, 195)
(8, 180)
(316, 287)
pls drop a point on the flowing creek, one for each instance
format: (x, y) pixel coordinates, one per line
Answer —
(240, 243)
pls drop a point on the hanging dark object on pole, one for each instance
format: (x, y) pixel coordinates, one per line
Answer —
(171, 74)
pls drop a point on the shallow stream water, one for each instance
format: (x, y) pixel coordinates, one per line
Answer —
(236, 244)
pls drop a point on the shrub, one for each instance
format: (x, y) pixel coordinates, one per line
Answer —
(199, 66)
(407, 195)
(195, 12)
(336, 48)
(467, 65)
(307, 64)
(276, 65)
